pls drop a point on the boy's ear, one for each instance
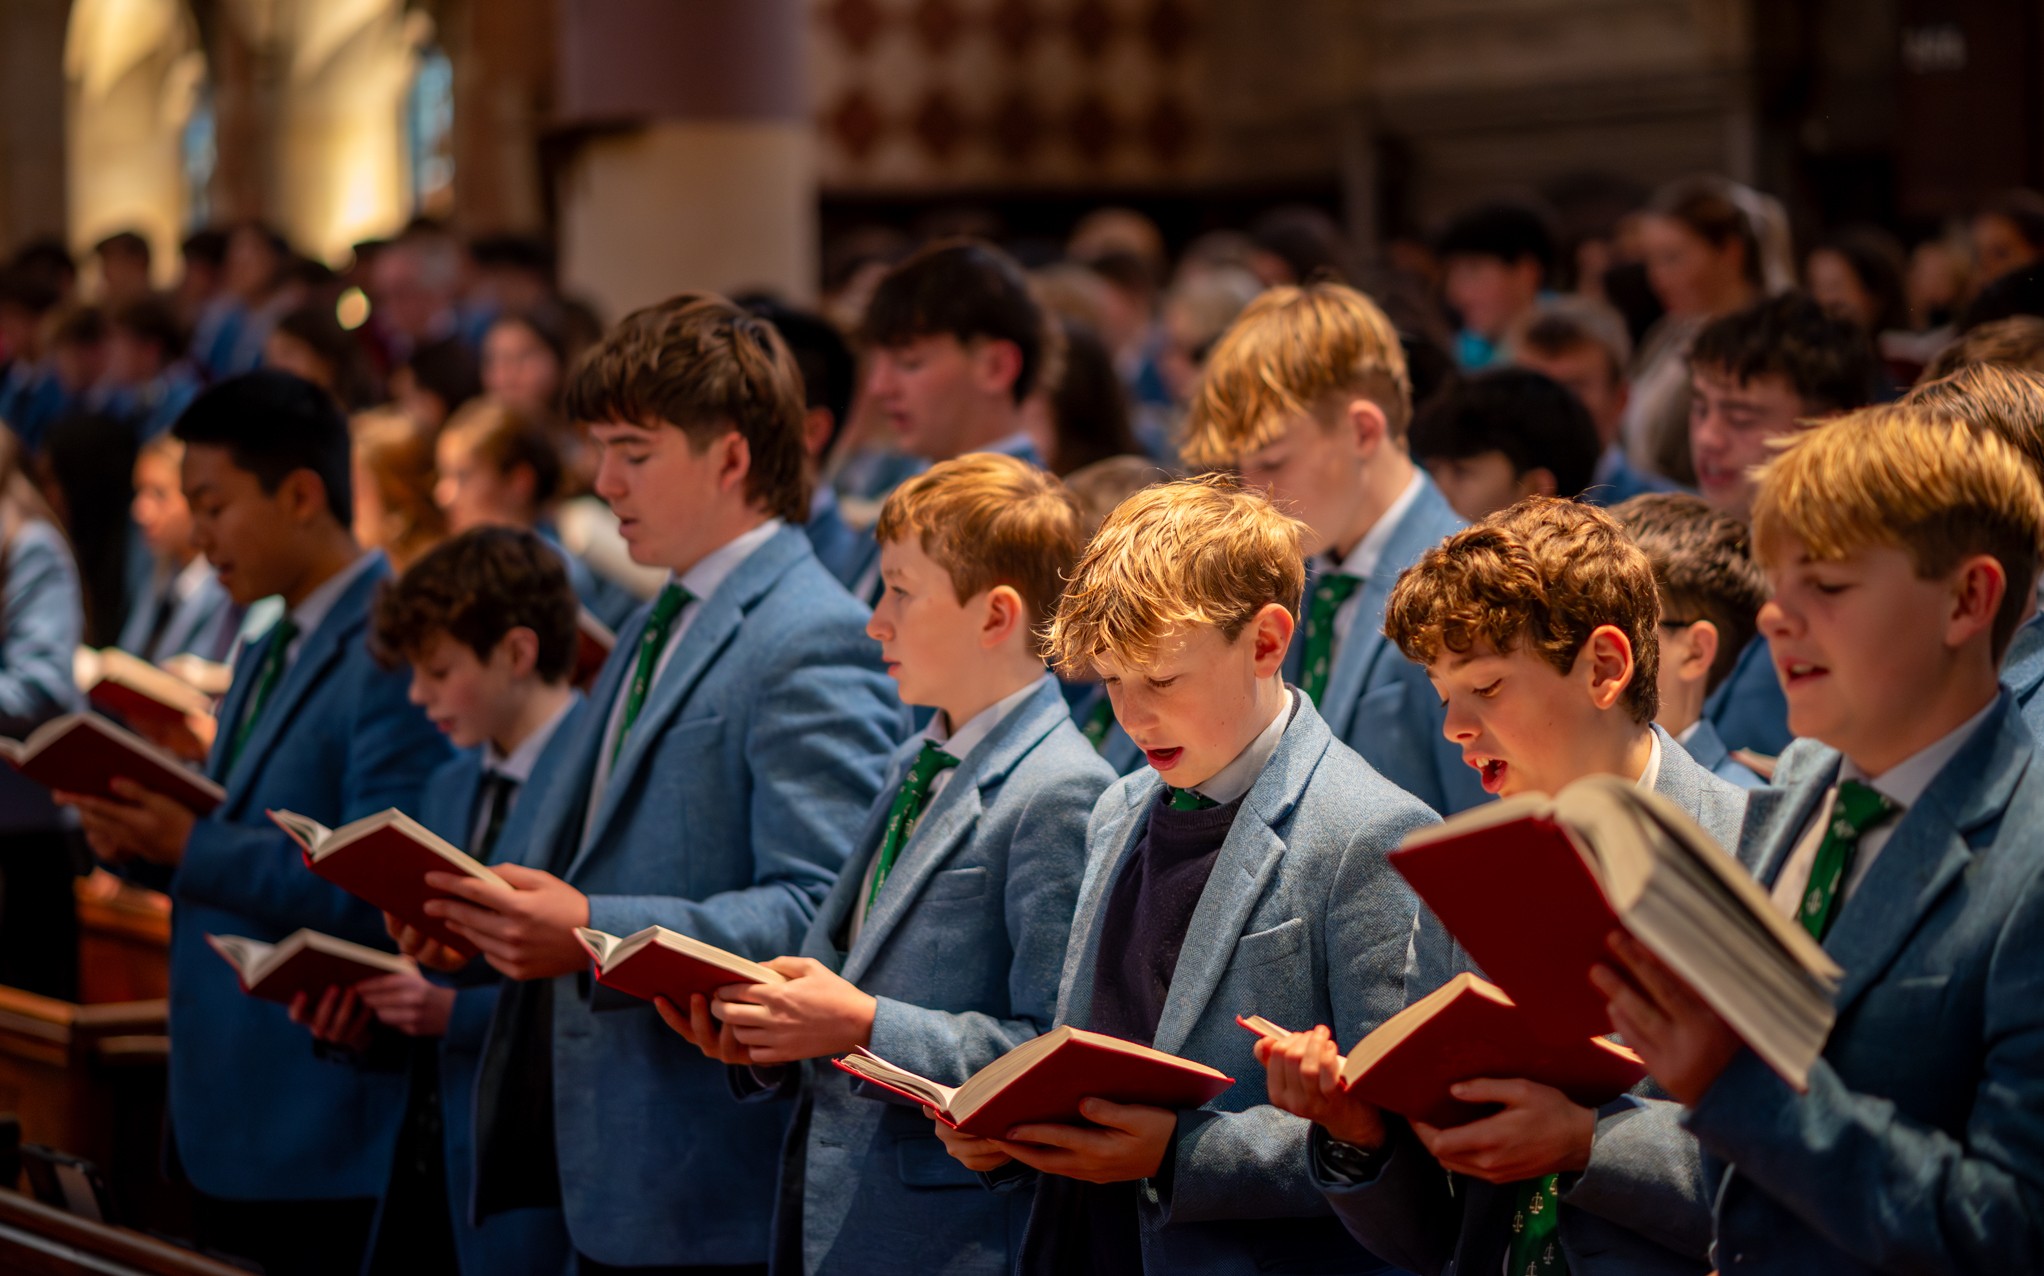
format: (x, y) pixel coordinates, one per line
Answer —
(1366, 423)
(1703, 639)
(1978, 585)
(1538, 481)
(1271, 632)
(1608, 654)
(1004, 615)
(734, 460)
(303, 494)
(524, 483)
(995, 364)
(520, 646)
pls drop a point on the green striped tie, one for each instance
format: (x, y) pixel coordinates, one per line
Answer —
(651, 643)
(267, 677)
(1329, 593)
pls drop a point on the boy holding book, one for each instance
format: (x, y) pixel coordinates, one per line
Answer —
(1307, 396)
(1902, 548)
(734, 740)
(486, 624)
(1243, 871)
(1538, 628)
(1711, 593)
(287, 1173)
(940, 947)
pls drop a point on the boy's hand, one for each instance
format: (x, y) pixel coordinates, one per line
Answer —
(1683, 1041)
(1126, 1141)
(410, 1003)
(338, 1018)
(1539, 1132)
(1305, 1080)
(815, 1013)
(422, 948)
(134, 824)
(190, 738)
(527, 932)
(700, 1029)
(969, 1150)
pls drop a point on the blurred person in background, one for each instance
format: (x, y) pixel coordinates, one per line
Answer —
(1496, 259)
(1857, 275)
(393, 487)
(123, 259)
(1503, 435)
(2008, 234)
(87, 473)
(148, 380)
(309, 342)
(1583, 345)
(439, 378)
(202, 268)
(179, 607)
(231, 331)
(1299, 245)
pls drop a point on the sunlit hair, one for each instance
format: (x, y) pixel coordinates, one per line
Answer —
(1199, 551)
(1292, 351)
(1902, 477)
(1703, 562)
(989, 519)
(2008, 401)
(1539, 576)
(2014, 342)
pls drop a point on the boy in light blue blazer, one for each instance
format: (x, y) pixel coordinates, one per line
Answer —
(181, 609)
(1243, 872)
(731, 747)
(940, 947)
(1902, 548)
(1307, 396)
(1711, 592)
(1537, 626)
(486, 622)
(287, 1150)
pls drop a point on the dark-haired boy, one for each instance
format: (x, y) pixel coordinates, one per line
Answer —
(829, 378)
(148, 383)
(957, 343)
(486, 624)
(1501, 436)
(732, 743)
(1902, 548)
(1757, 375)
(1584, 345)
(1494, 258)
(1711, 593)
(287, 1150)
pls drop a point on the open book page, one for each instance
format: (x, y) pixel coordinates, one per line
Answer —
(610, 951)
(248, 956)
(113, 666)
(304, 830)
(868, 1066)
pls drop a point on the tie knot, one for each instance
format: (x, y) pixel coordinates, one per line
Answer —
(1860, 807)
(1188, 800)
(283, 632)
(931, 760)
(1334, 588)
(673, 597)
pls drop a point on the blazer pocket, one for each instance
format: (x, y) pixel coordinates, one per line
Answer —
(692, 734)
(923, 1162)
(1261, 948)
(954, 883)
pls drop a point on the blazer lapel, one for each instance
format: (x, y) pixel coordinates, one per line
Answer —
(234, 705)
(1425, 522)
(1242, 872)
(1075, 990)
(833, 915)
(1706, 745)
(1928, 851)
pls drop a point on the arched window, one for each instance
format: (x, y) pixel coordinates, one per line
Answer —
(429, 131)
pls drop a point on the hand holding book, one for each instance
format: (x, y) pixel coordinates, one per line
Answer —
(1304, 1078)
(1685, 1043)
(813, 1012)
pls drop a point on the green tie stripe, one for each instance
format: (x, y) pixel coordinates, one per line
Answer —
(1536, 1244)
(909, 800)
(1330, 591)
(1099, 721)
(267, 677)
(1859, 808)
(1188, 800)
(651, 643)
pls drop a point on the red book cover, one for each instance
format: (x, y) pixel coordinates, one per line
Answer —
(1522, 902)
(676, 969)
(311, 967)
(1467, 1029)
(1077, 1065)
(387, 867)
(133, 704)
(593, 642)
(84, 753)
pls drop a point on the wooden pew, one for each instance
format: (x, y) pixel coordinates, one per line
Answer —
(36, 1240)
(123, 941)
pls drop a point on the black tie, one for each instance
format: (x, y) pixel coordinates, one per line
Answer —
(498, 790)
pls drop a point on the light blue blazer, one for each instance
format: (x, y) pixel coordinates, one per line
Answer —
(202, 625)
(1303, 921)
(513, 1241)
(41, 619)
(254, 1113)
(1749, 708)
(2022, 671)
(726, 817)
(846, 552)
(1708, 748)
(962, 952)
(1379, 703)
(1920, 1144)
(1642, 1206)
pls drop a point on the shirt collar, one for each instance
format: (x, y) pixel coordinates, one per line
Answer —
(1363, 559)
(315, 607)
(1652, 775)
(190, 578)
(1905, 782)
(960, 743)
(518, 764)
(1236, 778)
(715, 567)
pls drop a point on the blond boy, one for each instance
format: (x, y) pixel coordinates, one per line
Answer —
(1901, 547)
(1242, 872)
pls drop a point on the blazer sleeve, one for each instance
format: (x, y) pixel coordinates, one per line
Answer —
(817, 741)
(260, 873)
(1895, 1194)
(43, 621)
(1045, 860)
(1406, 1212)
(1646, 1175)
(1251, 1164)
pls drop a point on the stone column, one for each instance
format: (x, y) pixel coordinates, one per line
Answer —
(695, 163)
